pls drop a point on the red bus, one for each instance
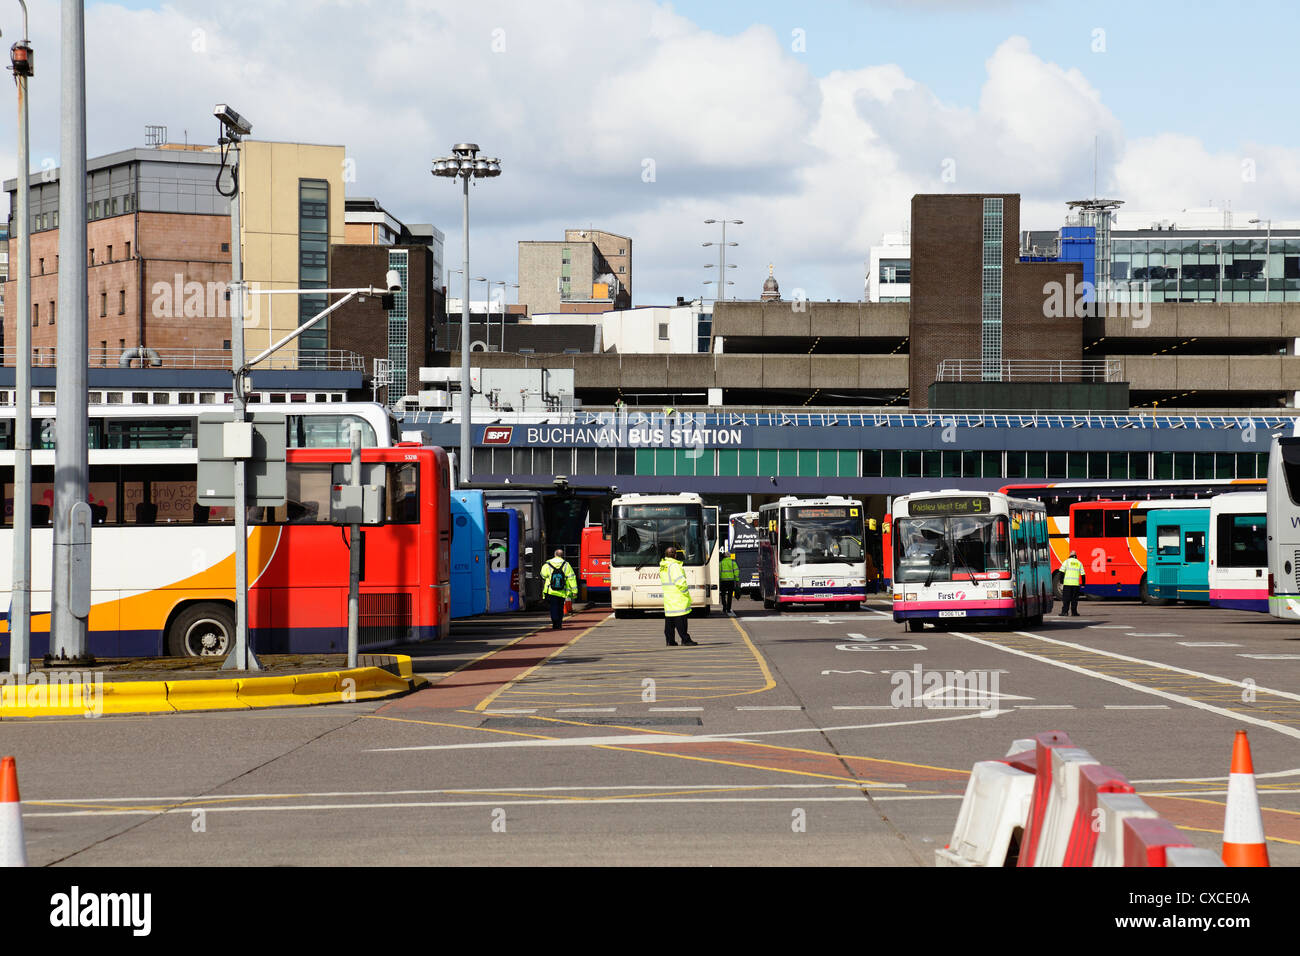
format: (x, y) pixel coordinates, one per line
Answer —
(299, 602)
(594, 560)
(1059, 496)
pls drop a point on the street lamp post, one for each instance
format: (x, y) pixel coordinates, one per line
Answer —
(20, 630)
(504, 285)
(1268, 242)
(466, 164)
(722, 252)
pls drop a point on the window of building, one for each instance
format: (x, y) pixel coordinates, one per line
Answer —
(103, 351)
(42, 265)
(92, 257)
(121, 302)
(622, 268)
(313, 266)
(109, 257)
(103, 304)
(225, 247)
(663, 331)
(128, 249)
(36, 313)
(51, 312)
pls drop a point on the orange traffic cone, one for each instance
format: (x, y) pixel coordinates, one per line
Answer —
(13, 848)
(1243, 825)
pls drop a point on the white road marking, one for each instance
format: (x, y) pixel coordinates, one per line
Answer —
(774, 707)
(1207, 644)
(674, 710)
(745, 734)
(1126, 627)
(863, 707)
(1154, 692)
(586, 710)
(1045, 707)
(497, 802)
(891, 646)
(1156, 634)
(610, 741)
(1258, 776)
(513, 710)
(1272, 657)
(1137, 707)
(824, 673)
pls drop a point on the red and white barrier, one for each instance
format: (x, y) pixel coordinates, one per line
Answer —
(1146, 841)
(1090, 818)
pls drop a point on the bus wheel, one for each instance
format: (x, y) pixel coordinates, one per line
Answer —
(769, 605)
(914, 625)
(1058, 585)
(622, 613)
(202, 630)
(1144, 595)
(703, 611)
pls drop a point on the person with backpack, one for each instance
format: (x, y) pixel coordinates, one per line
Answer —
(677, 598)
(560, 584)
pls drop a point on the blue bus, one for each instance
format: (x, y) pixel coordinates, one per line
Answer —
(469, 557)
(505, 560)
(532, 535)
(1178, 554)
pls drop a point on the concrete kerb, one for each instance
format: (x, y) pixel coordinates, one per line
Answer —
(380, 676)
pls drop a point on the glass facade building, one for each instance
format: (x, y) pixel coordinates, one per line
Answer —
(1186, 267)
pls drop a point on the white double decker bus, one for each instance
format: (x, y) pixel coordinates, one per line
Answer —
(639, 528)
(812, 551)
(961, 554)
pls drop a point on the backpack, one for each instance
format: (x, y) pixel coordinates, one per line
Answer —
(559, 580)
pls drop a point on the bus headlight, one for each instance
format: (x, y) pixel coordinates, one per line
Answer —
(898, 596)
(911, 595)
(993, 594)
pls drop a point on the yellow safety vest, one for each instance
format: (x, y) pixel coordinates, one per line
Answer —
(1073, 570)
(677, 593)
(728, 570)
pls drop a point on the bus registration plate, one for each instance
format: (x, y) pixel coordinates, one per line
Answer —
(952, 613)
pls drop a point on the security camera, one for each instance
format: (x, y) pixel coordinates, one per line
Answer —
(234, 123)
(393, 279)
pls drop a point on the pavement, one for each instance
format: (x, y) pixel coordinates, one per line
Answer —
(785, 738)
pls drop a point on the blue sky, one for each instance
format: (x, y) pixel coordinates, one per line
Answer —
(819, 149)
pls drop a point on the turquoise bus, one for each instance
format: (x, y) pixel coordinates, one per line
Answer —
(1178, 554)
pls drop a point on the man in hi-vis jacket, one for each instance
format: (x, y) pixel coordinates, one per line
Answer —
(677, 598)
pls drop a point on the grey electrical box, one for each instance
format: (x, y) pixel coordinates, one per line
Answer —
(219, 446)
(356, 504)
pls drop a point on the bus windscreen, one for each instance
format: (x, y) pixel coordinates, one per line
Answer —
(642, 532)
(821, 535)
(973, 547)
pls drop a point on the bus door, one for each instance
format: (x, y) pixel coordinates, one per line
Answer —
(504, 560)
(712, 541)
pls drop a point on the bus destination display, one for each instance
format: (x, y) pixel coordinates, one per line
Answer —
(966, 505)
(797, 513)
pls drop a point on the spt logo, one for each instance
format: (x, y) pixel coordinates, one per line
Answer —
(497, 436)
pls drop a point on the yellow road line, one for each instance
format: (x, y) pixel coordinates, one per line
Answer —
(487, 701)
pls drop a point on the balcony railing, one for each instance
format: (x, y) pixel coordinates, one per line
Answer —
(332, 360)
(1030, 370)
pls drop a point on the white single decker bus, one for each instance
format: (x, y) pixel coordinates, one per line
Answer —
(1282, 510)
(970, 555)
(812, 551)
(1238, 572)
(639, 528)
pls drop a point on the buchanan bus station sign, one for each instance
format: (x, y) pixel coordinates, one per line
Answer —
(685, 436)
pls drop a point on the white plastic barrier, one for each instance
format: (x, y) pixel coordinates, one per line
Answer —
(994, 806)
(1115, 809)
(1191, 856)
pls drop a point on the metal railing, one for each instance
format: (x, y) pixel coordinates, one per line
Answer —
(632, 417)
(1031, 370)
(333, 360)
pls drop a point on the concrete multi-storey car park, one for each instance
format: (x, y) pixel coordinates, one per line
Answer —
(980, 380)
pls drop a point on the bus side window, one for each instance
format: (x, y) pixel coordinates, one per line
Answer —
(1167, 541)
(1195, 546)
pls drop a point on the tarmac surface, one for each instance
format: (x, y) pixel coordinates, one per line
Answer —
(801, 737)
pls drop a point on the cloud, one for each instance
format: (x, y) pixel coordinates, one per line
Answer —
(575, 96)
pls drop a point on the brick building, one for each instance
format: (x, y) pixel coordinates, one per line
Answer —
(971, 297)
